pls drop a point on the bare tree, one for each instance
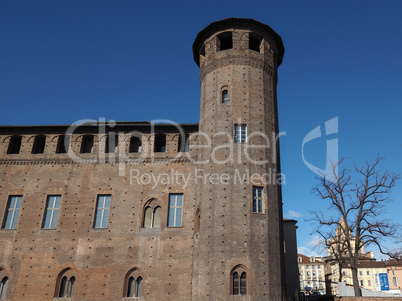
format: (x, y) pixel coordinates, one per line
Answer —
(357, 198)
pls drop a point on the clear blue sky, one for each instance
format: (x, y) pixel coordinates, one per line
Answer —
(62, 61)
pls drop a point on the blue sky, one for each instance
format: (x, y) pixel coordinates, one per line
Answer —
(62, 61)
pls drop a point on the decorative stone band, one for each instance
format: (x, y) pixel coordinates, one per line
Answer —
(235, 60)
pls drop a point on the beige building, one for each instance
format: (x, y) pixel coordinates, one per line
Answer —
(311, 273)
(154, 212)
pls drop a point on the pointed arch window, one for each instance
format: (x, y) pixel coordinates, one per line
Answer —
(152, 215)
(225, 96)
(3, 288)
(39, 144)
(135, 144)
(15, 145)
(134, 284)
(65, 286)
(160, 143)
(239, 283)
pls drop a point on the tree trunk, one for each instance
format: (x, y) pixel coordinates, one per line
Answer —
(353, 266)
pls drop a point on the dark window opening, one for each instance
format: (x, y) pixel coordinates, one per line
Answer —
(235, 283)
(197, 221)
(160, 143)
(39, 144)
(225, 41)
(3, 288)
(63, 144)
(225, 96)
(134, 288)
(87, 144)
(254, 43)
(184, 146)
(15, 145)
(112, 140)
(67, 287)
(135, 144)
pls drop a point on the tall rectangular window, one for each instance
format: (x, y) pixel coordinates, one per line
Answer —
(257, 200)
(102, 211)
(13, 211)
(52, 212)
(175, 210)
(240, 134)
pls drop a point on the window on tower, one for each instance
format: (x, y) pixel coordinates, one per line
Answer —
(240, 133)
(224, 41)
(225, 96)
(257, 200)
(255, 43)
(87, 144)
(239, 284)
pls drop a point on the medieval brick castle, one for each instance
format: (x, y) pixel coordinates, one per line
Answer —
(142, 211)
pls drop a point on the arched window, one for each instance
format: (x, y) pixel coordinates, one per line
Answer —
(134, 283)
(239, 284)
(62, 144)
(184, 144)
(87, 144)
(135, 144)
(225, 96)
(160, 143)
(65, 284)
(112, 141)
(3, 288)
(39, 144)
(15, 145)
(152, 215)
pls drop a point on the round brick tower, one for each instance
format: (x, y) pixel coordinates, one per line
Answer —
(238, 246)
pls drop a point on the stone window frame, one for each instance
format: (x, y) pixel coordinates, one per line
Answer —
(4, 282)
(152, 205)
(134, 283)
(243, 288)
(222, 95)
(66, 283)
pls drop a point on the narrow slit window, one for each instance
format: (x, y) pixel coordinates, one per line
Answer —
(257, 200)
(87, 144)
(14, 145)
(63, 144)
(39, 144)
(225, 96)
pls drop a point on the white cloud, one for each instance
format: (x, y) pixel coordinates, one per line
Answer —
(293, 214)
(307, 251)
